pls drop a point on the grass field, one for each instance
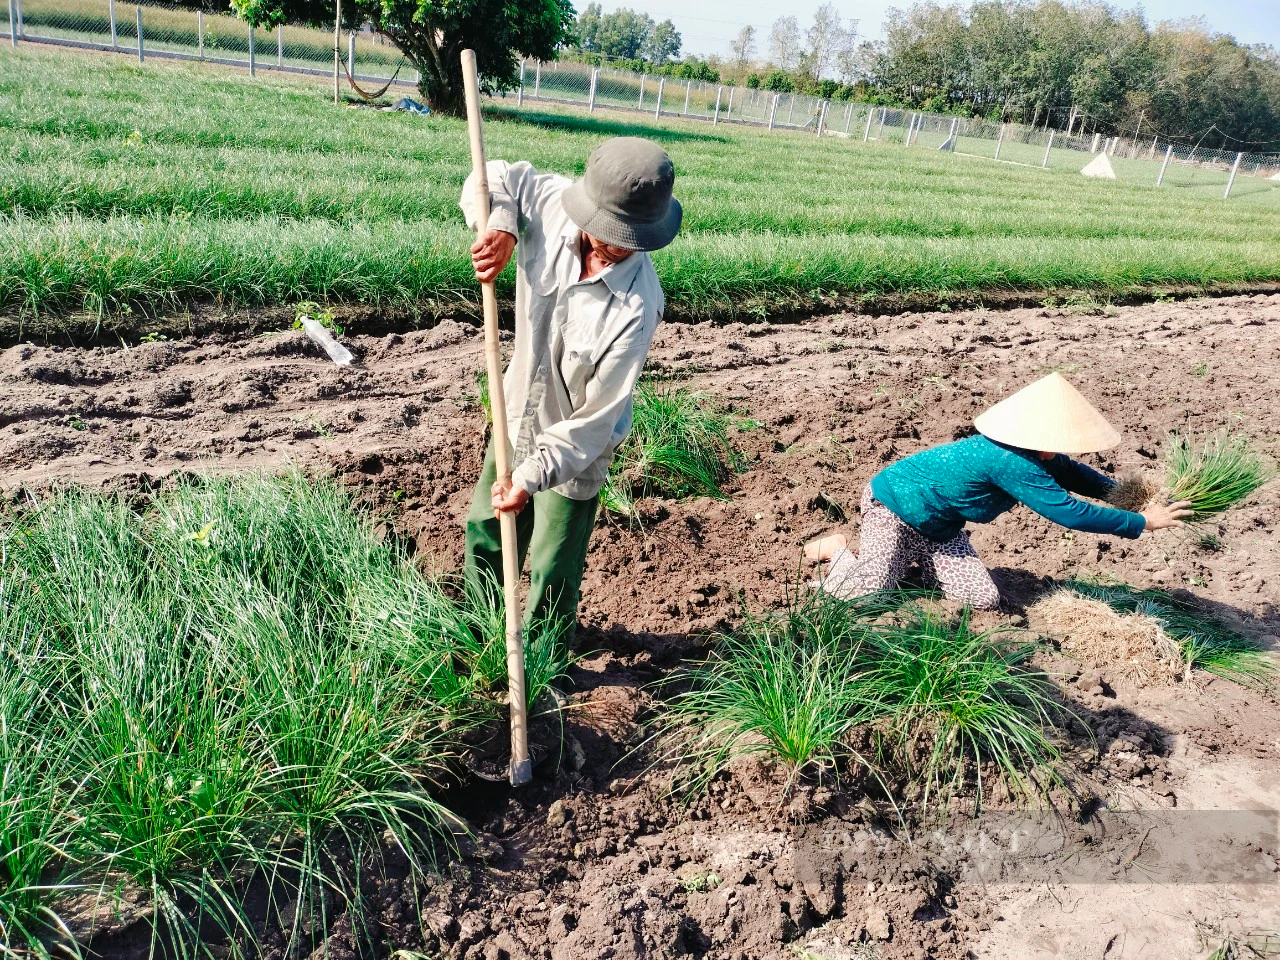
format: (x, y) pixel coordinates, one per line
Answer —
(157, 186)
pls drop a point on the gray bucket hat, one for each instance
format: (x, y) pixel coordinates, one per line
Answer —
(624, 198)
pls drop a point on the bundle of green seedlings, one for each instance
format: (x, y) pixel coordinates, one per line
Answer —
(239, 684)
(942, 705)
(1213, 476)
(680, 445)
(1201, 640)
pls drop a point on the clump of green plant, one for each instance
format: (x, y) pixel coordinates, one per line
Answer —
(1214, 476)
(952, 698)
(321, 315)
(780, 686)
(1206, 642)
(240, 679)
(805, 685)
(482, 394)
(680, 445)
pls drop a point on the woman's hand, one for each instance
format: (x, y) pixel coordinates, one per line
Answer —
(506, 498)
(1160, 517)
(492, 252)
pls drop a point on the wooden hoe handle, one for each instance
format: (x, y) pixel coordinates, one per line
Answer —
(521, 766)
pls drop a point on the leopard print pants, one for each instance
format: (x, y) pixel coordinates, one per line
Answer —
(889, 546)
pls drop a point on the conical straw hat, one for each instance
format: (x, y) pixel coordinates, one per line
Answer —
(1049, 415)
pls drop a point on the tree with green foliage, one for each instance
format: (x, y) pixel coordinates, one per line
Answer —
(433, 34)
(626, 34)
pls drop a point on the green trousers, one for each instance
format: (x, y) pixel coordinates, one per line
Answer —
(552, 529)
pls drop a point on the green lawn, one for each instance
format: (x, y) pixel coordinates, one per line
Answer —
(167, 184)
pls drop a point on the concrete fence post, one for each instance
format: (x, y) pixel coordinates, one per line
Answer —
(1232, 179)
(866, 134)
(22, 26)
(520, 89)
(848, 118)
(951, 137)
(688, 88)
(591, 96)
(142, 56)
(911, 128)
(252, 56)
(1096, 138)
(716, 118)
(1048, 147)
(200, 33)
(1168, 152)
(822, 115)
(13, 26)
(279, 45)
(729, 109)
(640, 102)
(111, 12)
(773, 108)
(537, 78)
(791, 108)
(1151, 155)
(884, 111)
(351, 53)
(657, 111)
(999, 142)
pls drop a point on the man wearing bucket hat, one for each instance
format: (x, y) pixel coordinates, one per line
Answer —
(915, 509)
(587, 304)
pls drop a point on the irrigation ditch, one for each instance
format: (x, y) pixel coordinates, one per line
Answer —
(599, 857)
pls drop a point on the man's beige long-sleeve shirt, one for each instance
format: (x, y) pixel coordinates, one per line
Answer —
(580, 344)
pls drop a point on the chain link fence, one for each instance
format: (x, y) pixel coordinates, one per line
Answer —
(1157, 161)
(152, 30)
(180, 32)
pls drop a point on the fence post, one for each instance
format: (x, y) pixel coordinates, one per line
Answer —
(141, 54)
(773, 108)
(951, 137)
(911, 128)
(351, 53)
(1152, 154)
(1048, 147)
(716, 118)
(866, 134)
(111, 12)
(1096, 137)
(279, 45)
(791, 108)
(591, 97)
(537, 79)
(1232, 179)
(252, 56)
(688, 87)
(657, 111)
(729, 109)
(822, 116)
(1168, 152)
(520, 89)
(200, 33)
(999, 142)
(22, 27)
(884, 111)
(848, 118)
(640, 102)
(13, 26)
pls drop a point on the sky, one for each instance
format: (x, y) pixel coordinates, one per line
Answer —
(708, 25)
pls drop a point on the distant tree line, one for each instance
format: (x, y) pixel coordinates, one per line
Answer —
(1079, 66)
(1083, 66)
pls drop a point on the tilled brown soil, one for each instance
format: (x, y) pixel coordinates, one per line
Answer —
(596, 860)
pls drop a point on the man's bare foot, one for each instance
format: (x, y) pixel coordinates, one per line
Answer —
(824, 548)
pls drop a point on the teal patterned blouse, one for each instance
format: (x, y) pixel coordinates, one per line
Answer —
(938, 490)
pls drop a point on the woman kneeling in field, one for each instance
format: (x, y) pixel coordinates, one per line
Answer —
(916, 509)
